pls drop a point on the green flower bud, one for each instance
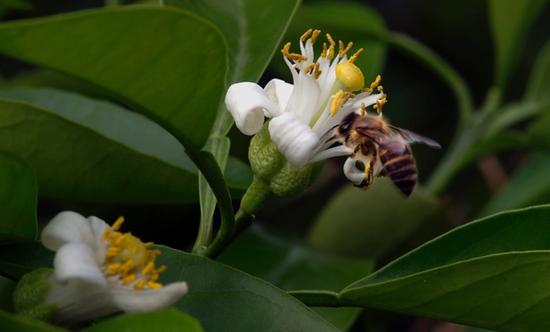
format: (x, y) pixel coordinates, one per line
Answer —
(29, 297)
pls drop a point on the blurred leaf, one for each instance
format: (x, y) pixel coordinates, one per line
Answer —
(20, 258)
(10, 5)
(218, 295)
(510, 22)
(348, 22)
(490, 273)
(149, 57)
(7, 287)
(11, 322)
(292, 266)
(167, 320)
(355, 223)
(17, 200)
(539, 80)
(238, 175)
(529, 185)
(115, 155)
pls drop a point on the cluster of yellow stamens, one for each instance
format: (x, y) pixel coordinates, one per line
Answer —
(131, 260)
(375, 85)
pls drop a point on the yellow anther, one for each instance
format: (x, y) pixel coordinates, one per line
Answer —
(306, 35)
(309, 68)
(126, 267)
(118, 223)
(330, 40)
(317, 71)
(330, 52)
(343, 50)
(113, 268)
(350, 76)
(355, 55)
(363, 109)
(292, 56)
(315, 35)
(112, 252)
(154, 285)
(324, 52)
(380, 88)
(140, 284)
(148, 268)
(339, 99)
(380, 104)
(376, 82)
(129, 279)
(161, 269)
(148, 244)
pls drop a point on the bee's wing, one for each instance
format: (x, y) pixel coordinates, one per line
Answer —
(394, 143)
(412, 137)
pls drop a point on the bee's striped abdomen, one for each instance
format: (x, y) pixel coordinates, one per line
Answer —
(401, 169)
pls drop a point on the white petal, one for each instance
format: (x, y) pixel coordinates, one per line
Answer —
(98, 227)
(66, 227)
(279, 92)
(304, 100)
(294, 139)
(130, 300)
(353, 174)
(246, 102)
(337, 151)
(77, 261)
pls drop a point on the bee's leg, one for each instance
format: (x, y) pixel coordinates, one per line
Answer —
(368, 169)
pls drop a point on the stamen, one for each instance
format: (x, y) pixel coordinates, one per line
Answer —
(344, 50)
(128, 279)
(339, 99)
(306, 35)
(140, 284)
(363, 109)
(379, 104)
(148, 268)
(324, 52)
(309, 68)
(118, 223)
(292, 56)
(330, 54)
(314, 36)
(154, 285)
(113, 268)
(317, 71)
(355, 55)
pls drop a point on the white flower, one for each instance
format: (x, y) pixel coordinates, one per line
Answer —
(99, 271)
(306, 113)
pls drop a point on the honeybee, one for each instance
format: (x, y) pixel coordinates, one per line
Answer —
(380, 149)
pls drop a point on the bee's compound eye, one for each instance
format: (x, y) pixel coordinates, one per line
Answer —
(344, 127)
(360, 165)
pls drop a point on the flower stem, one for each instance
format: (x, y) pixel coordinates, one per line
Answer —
(253, 199)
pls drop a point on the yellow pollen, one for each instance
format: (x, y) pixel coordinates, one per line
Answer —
(350, 76)
(306, 35)
(317, 71)
(292, 56)
(315, 35)
(118, 223)
(344, 50)
(355, 55)
(129, 259)
(330, 53)
(380, 103)
(324, 52)
(339, 99)
(309, 68)
(363, 109)
(129, 279)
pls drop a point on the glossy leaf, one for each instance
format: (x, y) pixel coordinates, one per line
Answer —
(490, 273)
(218, 294)
(92, 150)
(293, 266)
(510, 21)
(171, 79)
(17, 200)
(355, 223)
(167, 320)
(12, 322)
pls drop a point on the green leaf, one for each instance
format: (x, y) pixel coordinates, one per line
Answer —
(7, 286)
(219, 294)
(11, 322)
(293, 266)
(348, 22)
(168, 320)
(17, 200)
(92, 150)
(539, 80)
(529, 185)
(510, 22)
(489, 273)
(355, 223)
(152, 58)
